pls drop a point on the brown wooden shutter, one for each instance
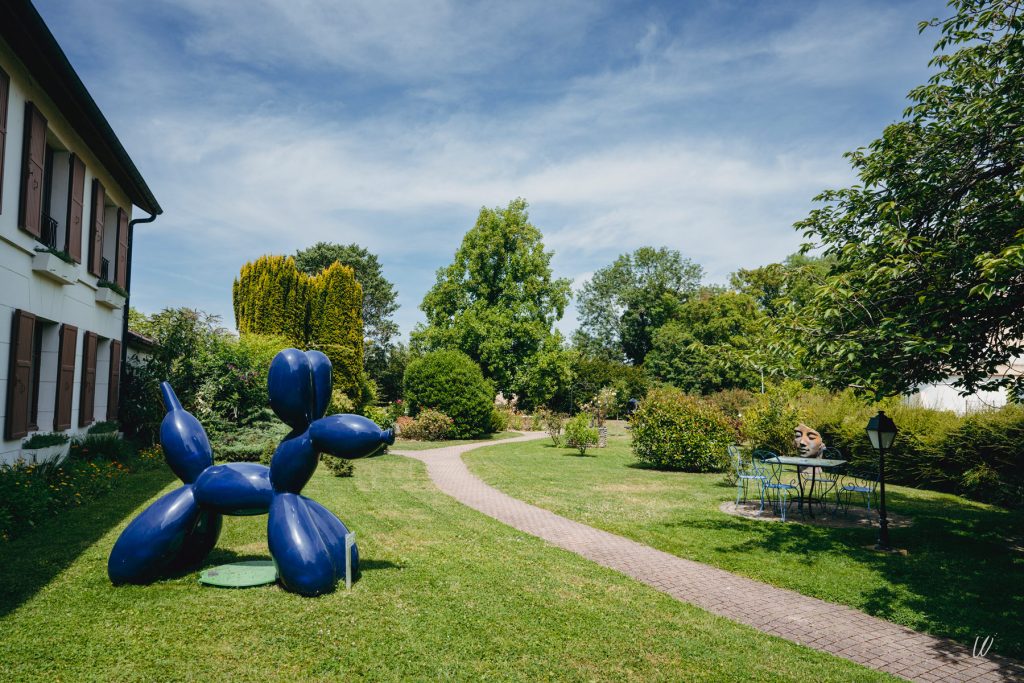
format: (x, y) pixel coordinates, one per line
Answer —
(87, 402)
(65, 377)
(96, 228)
(19, 376)
(122, 248)
(114, 386)
(76, 202)
(5, 90)
(33, 159)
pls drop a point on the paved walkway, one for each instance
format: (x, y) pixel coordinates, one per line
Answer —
(821, 625)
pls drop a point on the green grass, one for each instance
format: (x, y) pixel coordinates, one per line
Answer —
(446, 593)
(412, 445)
(963, 576)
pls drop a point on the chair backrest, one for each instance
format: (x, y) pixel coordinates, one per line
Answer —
(737, 458)
(762, 468)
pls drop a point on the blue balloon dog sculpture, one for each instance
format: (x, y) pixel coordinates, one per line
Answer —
(306, 540)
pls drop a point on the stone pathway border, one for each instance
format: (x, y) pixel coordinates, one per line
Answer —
(836, 629)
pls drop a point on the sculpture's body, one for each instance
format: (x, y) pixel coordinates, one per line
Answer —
(306, 540)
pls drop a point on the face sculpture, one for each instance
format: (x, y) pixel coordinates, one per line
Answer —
(808, 442)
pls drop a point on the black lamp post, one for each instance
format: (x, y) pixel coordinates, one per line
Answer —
(882, 432)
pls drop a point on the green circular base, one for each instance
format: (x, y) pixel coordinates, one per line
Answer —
(240, 574)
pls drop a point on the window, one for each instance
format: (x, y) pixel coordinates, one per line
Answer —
(52, 188)
(33, 389)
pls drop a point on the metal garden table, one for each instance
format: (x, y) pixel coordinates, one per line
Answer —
(814, 463)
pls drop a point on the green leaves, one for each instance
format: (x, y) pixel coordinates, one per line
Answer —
(497, 301)
(929, 247)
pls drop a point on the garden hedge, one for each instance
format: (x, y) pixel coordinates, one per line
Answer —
(449, 381)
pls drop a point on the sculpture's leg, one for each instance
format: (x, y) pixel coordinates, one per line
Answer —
(154, 539)
(201, 540)
(303, 560)
(333, 531)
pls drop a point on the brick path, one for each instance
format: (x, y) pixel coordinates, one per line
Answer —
(821, 625)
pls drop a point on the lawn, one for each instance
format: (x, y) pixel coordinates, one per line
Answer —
(445, 593)
(413, 445)
(963, 575)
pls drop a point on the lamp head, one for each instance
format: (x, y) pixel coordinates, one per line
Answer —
(881, 430)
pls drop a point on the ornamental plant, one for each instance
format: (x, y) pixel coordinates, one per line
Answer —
(579, 434)
(449, 381)
(429, 425)
(672, 430)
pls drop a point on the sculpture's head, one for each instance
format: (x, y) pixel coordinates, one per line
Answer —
(807, 441)
(299, 385)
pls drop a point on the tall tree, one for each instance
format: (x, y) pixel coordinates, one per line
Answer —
(497, 301)
(777, 287)
(924, 285)
(624, 303)
(714, 343)
(380, 300)
(271, 296)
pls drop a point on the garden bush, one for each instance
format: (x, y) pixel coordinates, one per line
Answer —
(579, 434)
(499, 420)
(674, 431)
(984, 456)
(429, 425)
(339, 467)
(449, 381)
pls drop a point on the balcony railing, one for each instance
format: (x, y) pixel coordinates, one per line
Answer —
(48, 234)
(104, 269)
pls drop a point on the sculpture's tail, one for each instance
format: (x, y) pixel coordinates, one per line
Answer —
(186, 446)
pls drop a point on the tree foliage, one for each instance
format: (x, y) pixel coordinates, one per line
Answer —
(714, 343)
(927, 281)
(622, 305)
(497, 302)
(272, 296)
(380, 300)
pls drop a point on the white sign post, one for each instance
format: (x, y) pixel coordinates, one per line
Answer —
(350, 540)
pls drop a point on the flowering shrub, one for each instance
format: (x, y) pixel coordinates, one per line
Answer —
(429, 425)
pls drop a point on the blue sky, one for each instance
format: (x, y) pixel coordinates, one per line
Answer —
(263, 126)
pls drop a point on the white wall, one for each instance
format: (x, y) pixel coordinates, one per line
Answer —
(946, 397)
(21, 288)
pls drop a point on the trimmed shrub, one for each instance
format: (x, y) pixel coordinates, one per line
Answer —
(578, 433)
(339, 467)
(984, 455)
(674, 431)
(449, 381)
(430, 425)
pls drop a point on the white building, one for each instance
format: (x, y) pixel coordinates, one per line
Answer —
(67, 188)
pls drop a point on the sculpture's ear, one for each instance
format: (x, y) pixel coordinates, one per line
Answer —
(290, 385)
(322, 383)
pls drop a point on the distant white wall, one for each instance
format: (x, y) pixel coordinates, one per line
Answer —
(946, 397)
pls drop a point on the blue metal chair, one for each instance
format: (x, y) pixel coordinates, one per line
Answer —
(773, 485)
(745, 475)
(856, 484)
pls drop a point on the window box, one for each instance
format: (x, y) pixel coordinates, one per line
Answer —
(105, 296)
(39, 456)
(52, 266)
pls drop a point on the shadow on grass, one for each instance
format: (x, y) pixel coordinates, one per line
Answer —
(959, 572)
(36, 558)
